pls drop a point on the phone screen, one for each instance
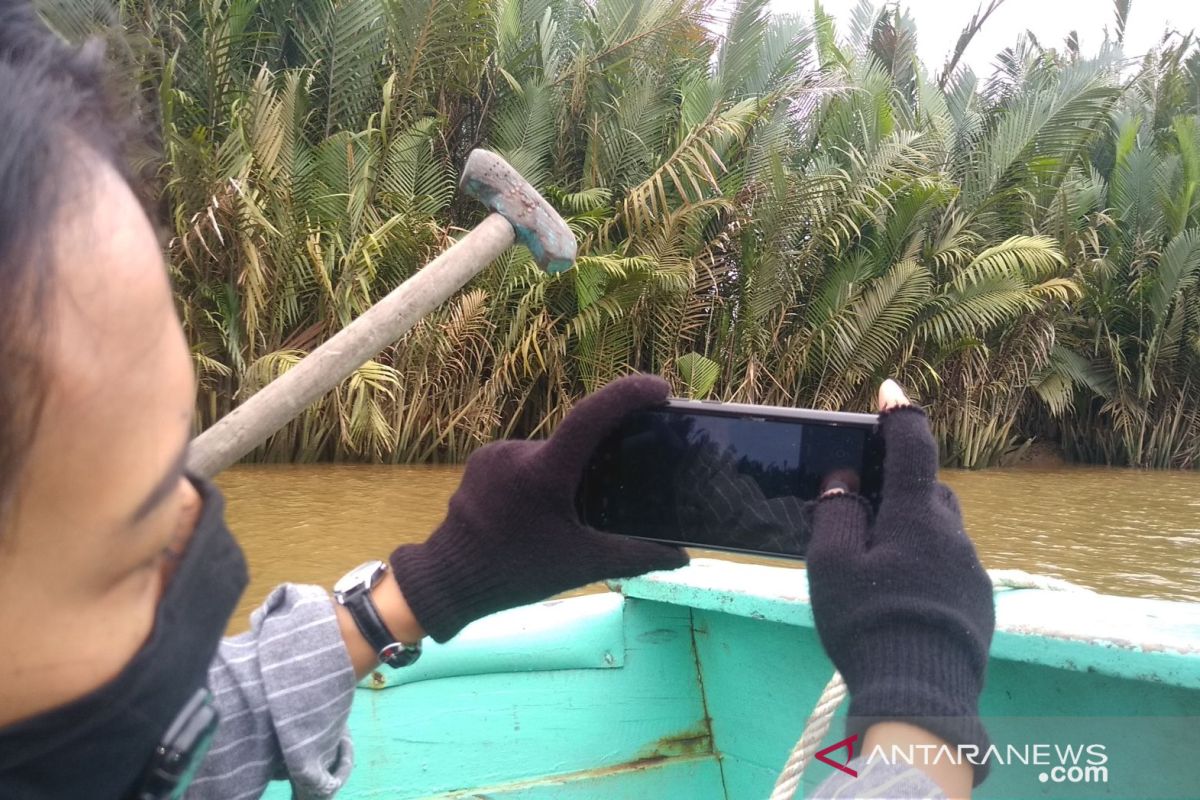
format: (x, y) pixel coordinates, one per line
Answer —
(726, 479)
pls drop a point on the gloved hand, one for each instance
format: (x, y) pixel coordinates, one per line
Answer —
(902, 604)
(512, 535)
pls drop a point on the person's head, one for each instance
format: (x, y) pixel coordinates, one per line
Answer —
(96, 384)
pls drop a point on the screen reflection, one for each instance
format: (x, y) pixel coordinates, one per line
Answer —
(719, 481)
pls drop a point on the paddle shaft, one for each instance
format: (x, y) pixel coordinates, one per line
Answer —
(280, 401)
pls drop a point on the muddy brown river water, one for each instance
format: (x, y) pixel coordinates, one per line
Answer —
(1119, 531)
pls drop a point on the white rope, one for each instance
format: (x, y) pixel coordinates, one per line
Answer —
(835, 691)
(814, 731)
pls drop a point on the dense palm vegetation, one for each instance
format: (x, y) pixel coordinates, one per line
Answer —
(776, 212)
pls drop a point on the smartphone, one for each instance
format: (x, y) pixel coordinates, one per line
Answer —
(728, 476)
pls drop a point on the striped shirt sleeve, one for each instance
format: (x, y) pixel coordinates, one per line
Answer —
(878, 779)
(283, 691)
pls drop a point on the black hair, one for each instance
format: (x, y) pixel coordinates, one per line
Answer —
(57, 113)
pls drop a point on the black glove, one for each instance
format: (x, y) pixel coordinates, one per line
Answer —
(903, 606)
(512, 535)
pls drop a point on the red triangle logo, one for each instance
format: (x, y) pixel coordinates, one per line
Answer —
(847, 743)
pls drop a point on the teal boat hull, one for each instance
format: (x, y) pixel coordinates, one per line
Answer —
(697, 683)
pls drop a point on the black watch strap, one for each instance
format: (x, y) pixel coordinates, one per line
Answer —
(356, 598)
(370, 624)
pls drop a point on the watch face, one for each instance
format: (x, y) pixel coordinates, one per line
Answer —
(363, 575)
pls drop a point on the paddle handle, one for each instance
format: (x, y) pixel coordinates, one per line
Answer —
(277, 403)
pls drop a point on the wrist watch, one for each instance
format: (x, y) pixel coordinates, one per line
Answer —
(353, 592)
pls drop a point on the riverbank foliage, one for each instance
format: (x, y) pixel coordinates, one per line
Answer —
(784, 211)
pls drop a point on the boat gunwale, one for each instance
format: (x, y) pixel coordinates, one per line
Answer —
(1140, 638)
